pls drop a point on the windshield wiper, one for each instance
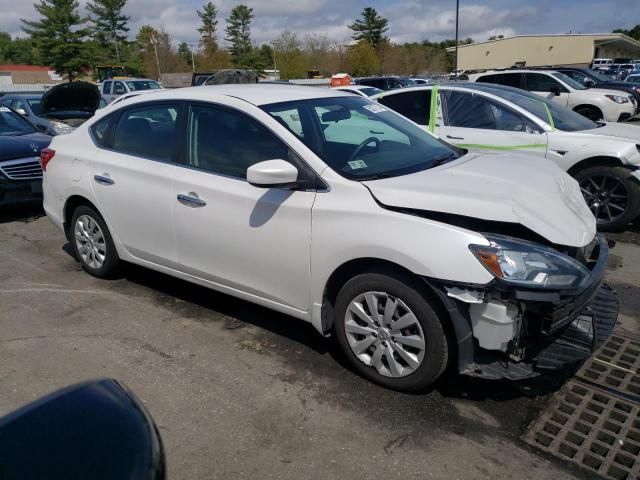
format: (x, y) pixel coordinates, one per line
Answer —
(443, 159)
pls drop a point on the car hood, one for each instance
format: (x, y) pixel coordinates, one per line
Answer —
(619, 130)
(522, 189)
(21, 146)
(82, 98)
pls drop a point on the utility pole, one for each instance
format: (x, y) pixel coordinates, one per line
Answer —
(154, 41)
(193, 58)
(457, 41)
(275, 66)
(115, 39)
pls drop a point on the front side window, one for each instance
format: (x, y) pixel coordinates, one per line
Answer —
(147, 131)
(569, 81)
(362, 140)
(227, 142)
(34, 104)
(118, 88)
(136, 85)
(13, 124)
(539, 82)
(413, 105)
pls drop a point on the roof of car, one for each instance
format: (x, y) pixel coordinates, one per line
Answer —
(353, 87)
(26, 96)
(256, 94)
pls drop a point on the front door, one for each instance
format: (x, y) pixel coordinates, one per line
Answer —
(132, 181)
(243, 238)
(474, 121)
(548, 87)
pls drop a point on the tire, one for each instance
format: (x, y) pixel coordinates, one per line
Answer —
(419, 368)
(592, 113)
(614, 203)
(92, 243)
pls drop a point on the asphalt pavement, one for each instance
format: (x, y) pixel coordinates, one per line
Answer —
(239, 391)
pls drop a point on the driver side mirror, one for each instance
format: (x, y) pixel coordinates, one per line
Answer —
(555, 90)
(588, 82)
(272, 174)
(21, 111)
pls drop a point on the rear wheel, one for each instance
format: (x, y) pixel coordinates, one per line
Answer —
(612, 194)
(390, 332)
(592, 113)
(92, 243)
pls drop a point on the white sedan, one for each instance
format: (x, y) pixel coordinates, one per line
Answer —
(332, 209)
(362, 90)
(603, 157)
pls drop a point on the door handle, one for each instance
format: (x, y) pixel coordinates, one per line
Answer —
(103, 179)
(454, 138)
(191, 201)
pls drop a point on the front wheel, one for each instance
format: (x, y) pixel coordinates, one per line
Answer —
(612, 194)
(390, 332)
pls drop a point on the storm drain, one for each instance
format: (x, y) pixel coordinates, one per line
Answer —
(594, 420)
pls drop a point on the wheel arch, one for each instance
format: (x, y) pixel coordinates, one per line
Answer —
(73, 202)
(597, 161)
(589, 106)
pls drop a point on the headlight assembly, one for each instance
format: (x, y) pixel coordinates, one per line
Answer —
(530, 265)
(617, 98)
(60, 128)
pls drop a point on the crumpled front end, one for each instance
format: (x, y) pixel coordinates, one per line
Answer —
(516, 333)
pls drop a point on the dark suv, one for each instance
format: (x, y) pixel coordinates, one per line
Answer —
(384, 83)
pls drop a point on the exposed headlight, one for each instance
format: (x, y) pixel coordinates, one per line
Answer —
(60, 128)
(617, 98)
(529, 264)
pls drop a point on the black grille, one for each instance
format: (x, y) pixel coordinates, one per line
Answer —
(22, 169)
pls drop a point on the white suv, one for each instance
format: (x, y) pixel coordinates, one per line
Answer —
(594, 103)
(332, 209)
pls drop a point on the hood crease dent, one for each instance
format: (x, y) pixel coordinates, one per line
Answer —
(519, 189)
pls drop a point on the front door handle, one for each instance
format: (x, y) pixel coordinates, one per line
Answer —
(191, 201)
(454, 138)
(103, 179)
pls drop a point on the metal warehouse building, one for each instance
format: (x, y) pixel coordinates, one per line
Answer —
(540, 50)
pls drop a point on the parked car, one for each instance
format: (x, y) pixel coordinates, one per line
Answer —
(383, 83)
(593, 103)
(335, 210)
(112, 89)
(60, 109)
(599, 63)
(20, 172)
(590, 78)
(95, 430)
(604, 158)
(362, 90)
(621, 70)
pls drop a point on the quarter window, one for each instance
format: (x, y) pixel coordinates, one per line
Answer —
(228, 142)
(413, 105)
(147, 132)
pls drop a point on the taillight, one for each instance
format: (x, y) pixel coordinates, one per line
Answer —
(46, 154)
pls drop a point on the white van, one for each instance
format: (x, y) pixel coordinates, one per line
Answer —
(601, 62)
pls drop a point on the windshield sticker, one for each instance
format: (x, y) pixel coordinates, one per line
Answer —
(375, 108)
(4, 109)
(356, 164)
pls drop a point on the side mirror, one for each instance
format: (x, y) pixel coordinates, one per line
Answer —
(588, 82)
(272, 174)
(21, 111)
(555, 90)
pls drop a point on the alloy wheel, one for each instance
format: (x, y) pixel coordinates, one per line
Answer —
(90, 242)
(607, 196)
(384, 333)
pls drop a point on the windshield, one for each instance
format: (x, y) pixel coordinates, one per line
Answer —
(34, 103)
(370, 91)
(143, 85)
(569, 81)
(563, 118)
(12, 124)
(359, 139)
(597, 76)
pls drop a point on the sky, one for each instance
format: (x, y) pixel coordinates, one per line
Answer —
(409, 20)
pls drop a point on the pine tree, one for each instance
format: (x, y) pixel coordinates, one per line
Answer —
(110, 24)
(371, 27)
(208, 16)
(185, 52)
(60, 36)
(238, 32)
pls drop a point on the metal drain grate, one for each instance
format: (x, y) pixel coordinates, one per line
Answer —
(596, 430)
(616, 366)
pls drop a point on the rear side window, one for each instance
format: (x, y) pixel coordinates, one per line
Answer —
(413, 105)
(147, 132)
(509, 79)
(102, 131)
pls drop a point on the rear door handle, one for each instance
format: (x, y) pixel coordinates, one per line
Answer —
(191, 200)
(454, 138)
(103, 179)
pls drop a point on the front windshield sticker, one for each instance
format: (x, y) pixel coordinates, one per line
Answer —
(374, 108)
(356, 164)
(4, 109)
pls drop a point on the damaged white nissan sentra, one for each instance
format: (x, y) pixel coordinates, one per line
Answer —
(415, 254)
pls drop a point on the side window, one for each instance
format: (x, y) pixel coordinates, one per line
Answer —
(228, 142)
(106, 88)
(508, 79)
(290, 119)
(118, 88)
(413, 105)
(103, 129)
(147, 131)
(539, 82)
(20, 106)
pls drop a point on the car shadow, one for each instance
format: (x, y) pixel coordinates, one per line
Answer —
(23, 213)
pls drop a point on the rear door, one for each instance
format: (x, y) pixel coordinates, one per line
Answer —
(547, 86)
(416, 105)
(132, 178)
(474, 121)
